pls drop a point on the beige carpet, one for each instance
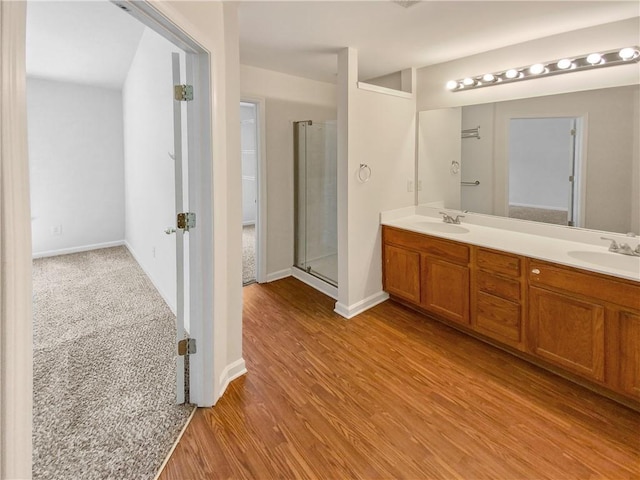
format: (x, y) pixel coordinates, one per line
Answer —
(248, 254)
(104, 374)
(557, 217)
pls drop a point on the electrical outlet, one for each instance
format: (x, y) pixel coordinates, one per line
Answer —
(153, 252)
(409, 185)
(56, 230)
(419, 185)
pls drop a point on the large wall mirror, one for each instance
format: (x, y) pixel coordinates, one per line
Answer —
(569, 159)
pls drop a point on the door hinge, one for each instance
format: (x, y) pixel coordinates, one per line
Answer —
(571, 178)
(183, 93)
(573, 132)
(186, 221)
(187, 346)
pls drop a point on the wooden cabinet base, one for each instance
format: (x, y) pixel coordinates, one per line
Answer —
(594, 387)
(582, 325)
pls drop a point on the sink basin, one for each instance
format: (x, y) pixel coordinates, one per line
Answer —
(626, 263)
(442, 227)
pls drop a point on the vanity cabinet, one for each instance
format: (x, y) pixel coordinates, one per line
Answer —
(583, 324)
(428, 272)
(497, 293)
(586, 323)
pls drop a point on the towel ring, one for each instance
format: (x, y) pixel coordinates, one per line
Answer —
(364, 173)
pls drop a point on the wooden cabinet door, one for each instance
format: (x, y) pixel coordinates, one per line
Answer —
(402, 273)
(445, 289)
(567, 331)
(625, 352)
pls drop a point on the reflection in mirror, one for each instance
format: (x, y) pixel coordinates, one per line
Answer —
(570, 159)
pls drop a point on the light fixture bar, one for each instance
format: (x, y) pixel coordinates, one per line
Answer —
(610, 58)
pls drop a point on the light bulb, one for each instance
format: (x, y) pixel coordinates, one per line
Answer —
(488, 77)
(513, 73)
(452, 85)
(564, 64)
(468, 81)
(536, 68)
(594, 58)
(627, 53)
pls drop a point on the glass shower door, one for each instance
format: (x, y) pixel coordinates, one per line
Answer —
(316, 208)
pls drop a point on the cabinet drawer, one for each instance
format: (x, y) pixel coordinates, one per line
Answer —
(499, 262)
(453, 251)
(499, 286)
(587, 284)
(498, 318)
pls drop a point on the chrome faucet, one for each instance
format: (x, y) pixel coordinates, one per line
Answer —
(446, 218)
(622, 248)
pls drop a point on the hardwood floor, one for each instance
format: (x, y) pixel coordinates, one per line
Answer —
(391, 394)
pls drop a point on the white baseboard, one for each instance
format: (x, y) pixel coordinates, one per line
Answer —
(230, 373)
(350, 311)
(272, 277)
(315, 282)
(171, 306)
(83, 248)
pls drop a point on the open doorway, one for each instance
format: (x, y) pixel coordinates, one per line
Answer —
(249, 158)
(254, 221)
(113, 266)
(545, 169)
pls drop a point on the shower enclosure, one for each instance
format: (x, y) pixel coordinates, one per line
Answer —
(316, 206)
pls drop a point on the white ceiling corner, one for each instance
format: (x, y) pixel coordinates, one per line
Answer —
(87, 42)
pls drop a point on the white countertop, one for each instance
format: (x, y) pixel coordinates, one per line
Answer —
(587, 256)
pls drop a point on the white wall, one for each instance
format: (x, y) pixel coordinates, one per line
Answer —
(432, 93)
(287, 99)
(76, 165)
(149, 171)
(378, 130)
(439, 146)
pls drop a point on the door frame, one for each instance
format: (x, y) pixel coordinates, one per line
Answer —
(579, 160)
(200, 268)
(16, 373)
(261, 181)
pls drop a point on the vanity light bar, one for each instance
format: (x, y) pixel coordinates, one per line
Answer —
(589, 61)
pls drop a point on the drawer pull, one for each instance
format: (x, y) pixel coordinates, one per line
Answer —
(535, 271)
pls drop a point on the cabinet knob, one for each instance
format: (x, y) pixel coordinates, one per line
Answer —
(535, 271)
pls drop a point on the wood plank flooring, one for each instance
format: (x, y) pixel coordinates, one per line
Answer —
(392, 394)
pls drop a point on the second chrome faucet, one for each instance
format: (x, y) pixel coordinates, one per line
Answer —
(622, 248)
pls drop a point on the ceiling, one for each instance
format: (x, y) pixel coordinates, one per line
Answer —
(94, 42)
(81, 42)
(302, 37)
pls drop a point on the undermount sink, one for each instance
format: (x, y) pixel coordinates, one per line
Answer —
(607, 259)
(443, 227)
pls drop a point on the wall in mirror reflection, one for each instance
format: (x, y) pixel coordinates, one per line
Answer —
(571, 159)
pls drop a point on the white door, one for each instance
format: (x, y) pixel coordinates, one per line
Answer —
(181, 231)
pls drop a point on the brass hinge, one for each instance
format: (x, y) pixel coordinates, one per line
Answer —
(186, 221)
(183, 93)
(187, 346)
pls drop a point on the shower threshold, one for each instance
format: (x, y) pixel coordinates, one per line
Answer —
(316, 280)
(322, 277)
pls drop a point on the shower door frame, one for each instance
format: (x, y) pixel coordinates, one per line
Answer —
(317, 280)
